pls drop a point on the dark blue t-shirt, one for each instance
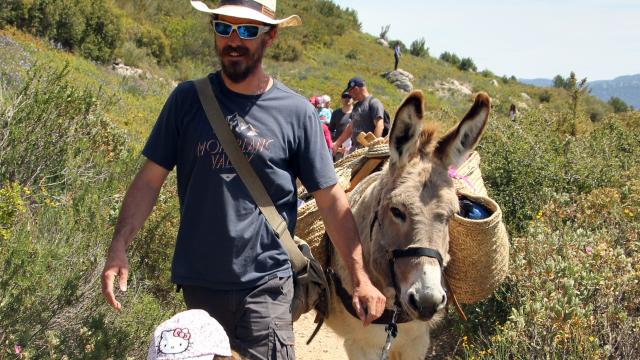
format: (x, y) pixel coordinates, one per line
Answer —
(223, 241)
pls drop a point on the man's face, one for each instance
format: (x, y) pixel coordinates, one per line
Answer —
(239, 58)
(356, 93)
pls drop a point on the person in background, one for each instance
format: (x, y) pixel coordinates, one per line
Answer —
(396, 54)
(324, 109)
(227, 259)
(513, 113)
(340, 119)
(367, 115)
(318, 102)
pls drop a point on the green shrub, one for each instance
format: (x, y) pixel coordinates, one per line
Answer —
(545, 96)
(487, 73)
(467, 64)
(156, 43)
(53, 133)
(418, 48)
(91, 28)
(11, 205)
(285, 50)
(618, 105)
(450, 58)
(352, 54)
(63, 167)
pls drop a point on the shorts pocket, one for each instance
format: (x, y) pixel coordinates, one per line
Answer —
(281, 341)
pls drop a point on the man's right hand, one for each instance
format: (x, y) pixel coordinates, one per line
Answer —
(116, 265)
(336, 148)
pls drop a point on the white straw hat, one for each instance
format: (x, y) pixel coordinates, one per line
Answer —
(260, 10)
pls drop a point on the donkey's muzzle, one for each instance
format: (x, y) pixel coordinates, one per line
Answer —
(425, 305)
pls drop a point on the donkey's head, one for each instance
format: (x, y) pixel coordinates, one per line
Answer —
(409, 236)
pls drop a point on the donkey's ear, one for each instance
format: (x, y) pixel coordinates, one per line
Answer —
(453, 148)
(407, 125)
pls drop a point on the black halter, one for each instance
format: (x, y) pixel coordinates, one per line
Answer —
(402, 253)
(396, 315)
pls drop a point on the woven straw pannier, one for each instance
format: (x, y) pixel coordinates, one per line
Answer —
(479, 251)
(468, 177)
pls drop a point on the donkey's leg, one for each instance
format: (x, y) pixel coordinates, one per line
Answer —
(356, 350)
(412, 344)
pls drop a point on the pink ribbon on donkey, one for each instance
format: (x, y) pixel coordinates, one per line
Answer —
(453, 173)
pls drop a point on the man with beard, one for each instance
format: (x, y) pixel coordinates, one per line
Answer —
(227, 259)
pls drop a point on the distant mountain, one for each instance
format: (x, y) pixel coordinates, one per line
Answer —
(537, 82)
(625, 87)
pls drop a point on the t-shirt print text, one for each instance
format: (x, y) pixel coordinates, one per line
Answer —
(247, 136)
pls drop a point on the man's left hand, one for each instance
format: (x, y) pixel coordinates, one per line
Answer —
(369, 302)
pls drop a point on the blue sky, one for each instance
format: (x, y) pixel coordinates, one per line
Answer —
(598, 39)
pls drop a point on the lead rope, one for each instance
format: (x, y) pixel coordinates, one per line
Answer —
(392, 332)
(392, 327)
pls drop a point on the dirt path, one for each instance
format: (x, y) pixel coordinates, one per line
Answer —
(328, 346)
(325, 346)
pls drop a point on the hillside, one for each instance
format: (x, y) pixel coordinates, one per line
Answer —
(626, 88)
(565, 173)
(171, 40)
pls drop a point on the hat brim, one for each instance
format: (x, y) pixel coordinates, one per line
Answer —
(247, 13)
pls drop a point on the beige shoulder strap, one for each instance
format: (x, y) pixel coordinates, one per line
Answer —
(246, 172)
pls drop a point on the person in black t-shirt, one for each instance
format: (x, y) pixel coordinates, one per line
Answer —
(340, 119)
(227, 259)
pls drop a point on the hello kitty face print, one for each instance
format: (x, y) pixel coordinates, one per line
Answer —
(174, 341)
(191, 334)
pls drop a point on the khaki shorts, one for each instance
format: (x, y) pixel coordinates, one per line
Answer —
(257, 321)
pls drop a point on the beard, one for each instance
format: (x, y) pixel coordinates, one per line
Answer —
(238, 68)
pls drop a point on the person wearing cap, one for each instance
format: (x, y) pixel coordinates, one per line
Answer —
(340, 119)
(227, 259)
(367, 115)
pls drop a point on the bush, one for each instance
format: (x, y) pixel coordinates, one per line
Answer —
(418, 49)
(487, 73)
(51, 119)
(285, 50)
(618, 105)
(156, 43)
(62, 168)
(544, 96)
(88, 27)
(450, 58)
(466, 64)
(352, 54)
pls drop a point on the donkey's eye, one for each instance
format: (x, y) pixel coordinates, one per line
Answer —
(398, 214)
(441, 217)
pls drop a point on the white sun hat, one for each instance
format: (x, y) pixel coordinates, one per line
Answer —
(260, 10)
(191, 334)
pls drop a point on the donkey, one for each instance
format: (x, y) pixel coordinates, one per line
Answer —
(402, 213)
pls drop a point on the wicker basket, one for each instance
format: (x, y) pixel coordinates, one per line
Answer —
(468, 178)
(479, 251)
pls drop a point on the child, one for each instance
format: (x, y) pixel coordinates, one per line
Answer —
(191, 334)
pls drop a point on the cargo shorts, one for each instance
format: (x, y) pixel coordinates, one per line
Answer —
(257, 321)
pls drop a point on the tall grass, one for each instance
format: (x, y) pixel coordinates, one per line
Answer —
(572, 206)
(63, 166)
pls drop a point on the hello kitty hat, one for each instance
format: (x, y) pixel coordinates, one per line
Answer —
(191, 334)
